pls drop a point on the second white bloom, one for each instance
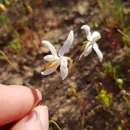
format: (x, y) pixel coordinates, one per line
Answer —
(92, 38)
(57, 59)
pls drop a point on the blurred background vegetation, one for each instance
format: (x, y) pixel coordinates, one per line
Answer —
(95, 96)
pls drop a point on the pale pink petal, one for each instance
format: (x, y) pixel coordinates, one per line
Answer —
(64, 68)
(95, 36)
(48, 71)
(48, 45)
(87, 30)
(97, 50)
(67, 44)
(50, 57)
(88, 49)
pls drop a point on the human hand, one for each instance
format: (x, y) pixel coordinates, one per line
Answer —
(19, 110)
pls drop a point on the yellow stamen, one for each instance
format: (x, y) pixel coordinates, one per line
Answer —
(52, 64)
(3, 8)
(70, 65)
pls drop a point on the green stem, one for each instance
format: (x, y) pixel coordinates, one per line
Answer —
(53, 122)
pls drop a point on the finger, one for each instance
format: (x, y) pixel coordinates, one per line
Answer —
(16, 102)
(36, 120)
(6, 127)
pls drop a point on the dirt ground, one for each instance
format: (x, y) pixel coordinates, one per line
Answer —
(73, 103)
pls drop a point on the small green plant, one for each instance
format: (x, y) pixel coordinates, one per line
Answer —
(81, 101)
(50, 128)
(114, 10)
(114, 72)
(4, 57)
(105, 98)
(15, 45)
(128, 58)
(75, 93)
(125, 35)
(125, 96)
(119, 13)
(5, 2)
(119, 127)
(54, 123)
(128, 106)
(116, 13)
(2, 19)
(127, 101)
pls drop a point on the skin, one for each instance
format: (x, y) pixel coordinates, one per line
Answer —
(19, 109)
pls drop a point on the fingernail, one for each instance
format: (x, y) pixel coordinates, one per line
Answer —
(37, 96)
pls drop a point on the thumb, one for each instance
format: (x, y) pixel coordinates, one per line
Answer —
(36, 120)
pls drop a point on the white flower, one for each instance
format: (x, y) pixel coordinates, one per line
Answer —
(57, 59)
(92, 38)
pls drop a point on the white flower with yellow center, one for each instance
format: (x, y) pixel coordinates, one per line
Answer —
(56, 59)
(92, 38)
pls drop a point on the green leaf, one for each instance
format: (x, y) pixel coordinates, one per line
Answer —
(5, 2)
(105, 98)
(125, 36)
(2, 19)
(119, 128)
(119, 13)
(114, 71)
(2, 55)
(15, 45)
(1, 1)
(50, 128)
(108, 68)
(128, 105)
(120, 82)
(114, 9)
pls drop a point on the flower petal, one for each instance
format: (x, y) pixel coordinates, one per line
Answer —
(97, 50)
(87, 50)
(67, 44)
(48, 45)
(50, 58)
(95, 36)
(64, 68)
(48, 71)
(87, 30)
